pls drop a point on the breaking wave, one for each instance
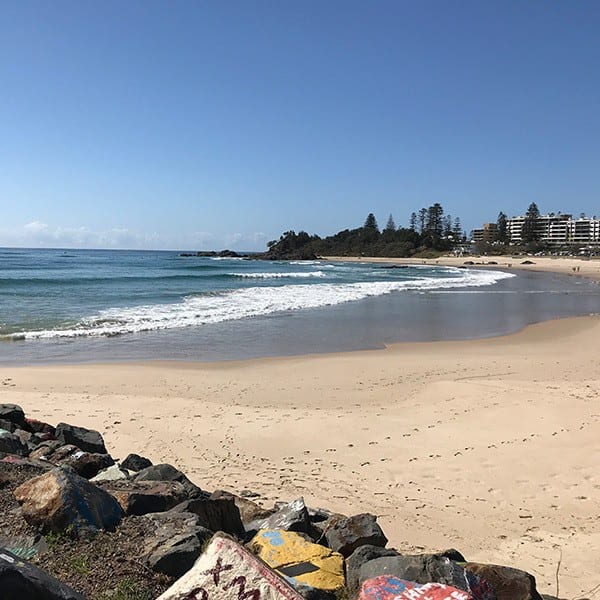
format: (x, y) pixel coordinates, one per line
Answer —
(217, 307)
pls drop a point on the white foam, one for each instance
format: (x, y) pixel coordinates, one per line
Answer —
(251, 302)
(299, 275)
(226, 258)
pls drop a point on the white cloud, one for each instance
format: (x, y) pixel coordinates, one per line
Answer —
(38, 234)
(35, 227)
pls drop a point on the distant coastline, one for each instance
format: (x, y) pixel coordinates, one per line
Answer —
(561, 265)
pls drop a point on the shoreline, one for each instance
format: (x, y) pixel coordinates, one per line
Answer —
(489, 445)
(368, 324)
(561, 265)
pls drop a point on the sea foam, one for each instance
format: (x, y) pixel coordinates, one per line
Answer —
(217, 307)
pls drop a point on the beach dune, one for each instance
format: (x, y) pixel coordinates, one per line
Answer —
(490, 446)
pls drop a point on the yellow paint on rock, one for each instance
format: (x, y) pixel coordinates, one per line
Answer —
(300, 561)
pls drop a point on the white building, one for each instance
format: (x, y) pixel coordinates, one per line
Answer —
(558, 230)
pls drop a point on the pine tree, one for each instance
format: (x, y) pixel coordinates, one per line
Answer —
(390, 225)
(371, 223)
(457, 232)
(448, 226)
(435, 223)
(502, 228)
(529, 232)
(422, 220)
(413, 221)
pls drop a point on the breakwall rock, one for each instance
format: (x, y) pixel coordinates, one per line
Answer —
(77, 523)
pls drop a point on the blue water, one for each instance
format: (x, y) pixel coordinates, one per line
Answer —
(102, 304)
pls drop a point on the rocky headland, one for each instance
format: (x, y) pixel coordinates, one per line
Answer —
(77, 523)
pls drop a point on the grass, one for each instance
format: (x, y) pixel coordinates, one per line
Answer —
(127, 589)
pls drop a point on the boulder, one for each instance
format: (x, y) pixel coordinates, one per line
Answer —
(216, 514)
(292, 517)
(7, 425)
(143, 497)
(19, 579)
(45, 449)
(426, 568)
(88, 440)
(508, 583)
(175, 544)
(112, 473)
(24, 436)
(39, 438)
(359, 557)
(249, 510)
(36, 426)
(12, 413)
(11, 444)
(23, 545)
(135, 462)
(322, 520)
(345, 535)
(303, 562)
(61, 498)
(87, 464)
(227, 570)
(165, 472)
(394, 588)
(30, 463)
(62, 452)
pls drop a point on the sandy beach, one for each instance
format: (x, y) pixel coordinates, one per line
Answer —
(572, 266)
(489, 446)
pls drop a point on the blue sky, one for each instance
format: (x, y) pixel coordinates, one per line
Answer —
(221, 124)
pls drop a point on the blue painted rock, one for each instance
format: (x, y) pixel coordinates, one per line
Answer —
(299, 561)
(61, 498)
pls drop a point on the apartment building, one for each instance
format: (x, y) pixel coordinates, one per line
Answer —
(554, 229)
(488, 233)
(551, 229)
(584, 231)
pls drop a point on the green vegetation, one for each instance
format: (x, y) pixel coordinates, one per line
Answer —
(55, 539)
(127, 589)
(82, 565)
(430, 231)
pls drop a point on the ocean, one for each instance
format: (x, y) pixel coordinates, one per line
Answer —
(85, 305)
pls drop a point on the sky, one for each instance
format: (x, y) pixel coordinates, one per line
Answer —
(221, 124)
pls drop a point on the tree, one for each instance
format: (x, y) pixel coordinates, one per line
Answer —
(457, 232)
(371, 223)
(502, 228)
(447, 226)
(435, 223)
(390, 226)
(413, 221)
(422, 220)
(529, 232)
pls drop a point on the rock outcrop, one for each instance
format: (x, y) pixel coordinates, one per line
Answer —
(61, 499)
(63, 490)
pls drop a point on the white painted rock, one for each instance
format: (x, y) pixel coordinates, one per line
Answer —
(227, 571)
(112, 473)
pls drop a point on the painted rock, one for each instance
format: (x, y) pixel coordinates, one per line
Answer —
(508, 583)
(394, 588)
(227, 570)
(299, 561)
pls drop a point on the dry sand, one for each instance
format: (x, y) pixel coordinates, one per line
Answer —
(489, 446)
